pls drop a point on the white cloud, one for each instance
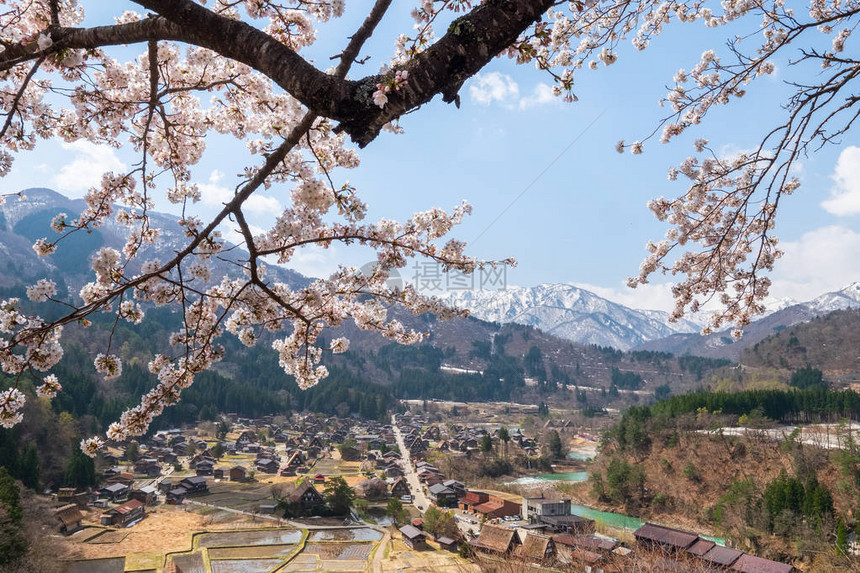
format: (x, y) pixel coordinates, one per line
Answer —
(263, 205)
(233, 235)
(495, 87)
(845, 196)
(215, 194)
(646, 297)
(492, 87)
(314, 261)
(542, 94)
(821, 261)
(86, 169)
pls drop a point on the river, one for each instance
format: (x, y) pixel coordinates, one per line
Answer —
(621, 521)
(560, 476)
(616, 520)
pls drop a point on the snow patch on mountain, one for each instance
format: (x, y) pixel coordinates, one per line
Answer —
(848, 297)
(572, 313)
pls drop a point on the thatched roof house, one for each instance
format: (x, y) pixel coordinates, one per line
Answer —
(495, 539)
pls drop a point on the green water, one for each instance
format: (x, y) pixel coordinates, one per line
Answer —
(621, 521)
(617, 520)
(580, 456)
(561, 476)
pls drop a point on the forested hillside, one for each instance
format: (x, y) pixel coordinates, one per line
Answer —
(830, 343)
(774, 491)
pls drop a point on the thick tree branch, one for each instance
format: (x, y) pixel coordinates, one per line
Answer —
(470, 43)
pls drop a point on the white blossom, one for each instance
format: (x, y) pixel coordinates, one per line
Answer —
(109, 365)
(11, 402)
(49, 387)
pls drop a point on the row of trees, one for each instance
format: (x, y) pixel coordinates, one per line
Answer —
(791, 406)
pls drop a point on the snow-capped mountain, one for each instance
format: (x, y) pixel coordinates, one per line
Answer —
(848, 297)
(572, 313)
(722, 345)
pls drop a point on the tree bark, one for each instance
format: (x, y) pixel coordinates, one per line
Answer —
(469, 44)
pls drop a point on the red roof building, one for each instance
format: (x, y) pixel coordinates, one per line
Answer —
(125, 514)
(497, 507)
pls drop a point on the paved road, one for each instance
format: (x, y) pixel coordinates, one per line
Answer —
(409, 470)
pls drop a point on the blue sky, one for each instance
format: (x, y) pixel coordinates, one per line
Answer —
(584, 219)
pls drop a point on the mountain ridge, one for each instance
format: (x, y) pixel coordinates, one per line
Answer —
(721, 345)
(571, 313)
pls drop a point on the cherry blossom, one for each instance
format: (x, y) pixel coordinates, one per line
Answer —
(50, 386)
(239, 70)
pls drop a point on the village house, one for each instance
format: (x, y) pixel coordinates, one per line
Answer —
(590, 561)
(400, 488)
(497, 506)
(413, 537)
(148, 466)
(751, 564)
(124, 478)
(586, 551)
(458, 487)
(124, 515)
(238, 473)
(496, 540)
(443, 496)
(536, 548)
(567, 542)
(720, 556)
(472, 499)
(176, 496)
(267, 465)
(148, 495)
(70, 518)
(114, 492)
(393, 470)
(167, 457)
(658, 537)
(296, 459)
(654, 536)
(447, 543)
(418, 446)
(306, 495)
(572, 524)
(195, 484)
(534, 508)
(110, 472)
(204, 468)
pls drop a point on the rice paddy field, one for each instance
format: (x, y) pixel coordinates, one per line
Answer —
(279, 549)
(283, 550)
(238, 538)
